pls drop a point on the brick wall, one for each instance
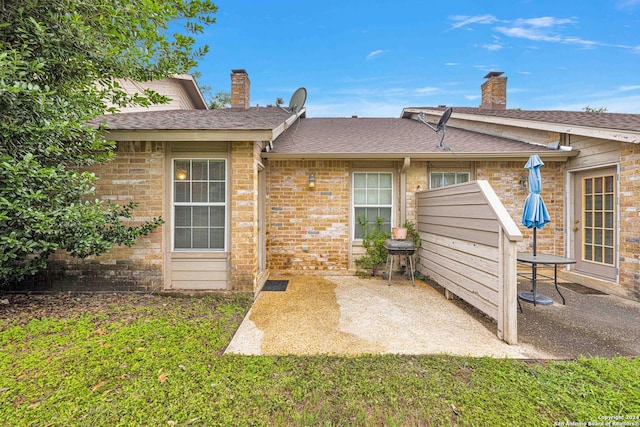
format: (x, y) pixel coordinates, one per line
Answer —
(137, 174)
(308, 229)
(244, 215)
(630, 217)
(504, 178)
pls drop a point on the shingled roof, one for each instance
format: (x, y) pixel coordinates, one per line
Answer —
(629, 122)
(392, 137)
(255, 118)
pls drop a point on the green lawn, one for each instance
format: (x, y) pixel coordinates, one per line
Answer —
(108, 360)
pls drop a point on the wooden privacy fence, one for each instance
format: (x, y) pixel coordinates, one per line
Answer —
(469, 248)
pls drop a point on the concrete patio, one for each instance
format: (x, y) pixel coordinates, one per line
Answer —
(345, 315)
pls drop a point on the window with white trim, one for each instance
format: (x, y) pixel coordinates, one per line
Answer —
(442, 179)
(199, 204)
(372, 199)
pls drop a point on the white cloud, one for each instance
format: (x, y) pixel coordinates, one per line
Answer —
(426, 90)
(493, 46)
(375, 54)
(451, 64)
(462, 21)
(544, 22)
(628, 88)
(528, 33)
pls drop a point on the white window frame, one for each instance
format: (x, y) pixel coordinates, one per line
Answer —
(174, 204)
(442, 173)
(353, 207)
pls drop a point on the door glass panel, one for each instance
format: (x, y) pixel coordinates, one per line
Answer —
(599, 219)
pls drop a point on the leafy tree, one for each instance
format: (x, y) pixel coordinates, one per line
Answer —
(221, 99)
(589, 109)
(59, 61)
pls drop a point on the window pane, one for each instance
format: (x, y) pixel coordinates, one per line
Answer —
(201, 216)
(372, 180)
(608, 219)
(359, 180)
(588, 233)
(217, 216)
(462, 177)
(597, 253)
(199, 170)
(598, 219)
(598, 237)
(597, 185)
(182, 170)
(588, 186)
(216, 192)
(608, 202)
(183, 238)
(588, 219)
(436, 180)
(598, 199)
(201, 238)
(216, 238)
(385, 213)
(608, 237)
(449, 178)
(588, 255)
(385, 197)
(183, 216)
(608, 184)
(372, 197)
(608, 255)
(360, 197)
(182, 192)
(588, 203)
(216, 170)
(385, 180)
(199, 192)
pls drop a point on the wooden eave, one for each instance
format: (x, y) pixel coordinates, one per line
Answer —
(550, 155)
(588, 131)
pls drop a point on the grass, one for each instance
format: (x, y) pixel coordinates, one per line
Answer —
(150, 360)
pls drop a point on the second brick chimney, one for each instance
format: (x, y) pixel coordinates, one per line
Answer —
(494, 92)
(240, 86)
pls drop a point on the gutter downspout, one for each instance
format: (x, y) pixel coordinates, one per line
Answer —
(403, 190)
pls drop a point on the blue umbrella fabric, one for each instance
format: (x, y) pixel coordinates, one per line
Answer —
(535, 214)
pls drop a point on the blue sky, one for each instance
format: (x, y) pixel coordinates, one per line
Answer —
(372, 58)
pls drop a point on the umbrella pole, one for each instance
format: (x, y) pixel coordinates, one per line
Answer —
(535, 244)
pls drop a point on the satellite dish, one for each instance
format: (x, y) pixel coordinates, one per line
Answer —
(297, 101)
(441, 125)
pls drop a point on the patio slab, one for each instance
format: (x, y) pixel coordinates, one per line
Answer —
(345, 315)
(590, 324)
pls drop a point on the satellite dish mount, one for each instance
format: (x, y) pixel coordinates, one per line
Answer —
(440, 126)
(297, 101)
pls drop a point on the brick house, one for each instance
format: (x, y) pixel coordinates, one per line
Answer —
(234, 188)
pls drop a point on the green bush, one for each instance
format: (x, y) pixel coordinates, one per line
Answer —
(373, 242)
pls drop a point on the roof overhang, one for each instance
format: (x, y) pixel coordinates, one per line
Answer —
(226, 135)
(549, 155)
(593, 132)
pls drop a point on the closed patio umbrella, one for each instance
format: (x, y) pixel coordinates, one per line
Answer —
(534, 214)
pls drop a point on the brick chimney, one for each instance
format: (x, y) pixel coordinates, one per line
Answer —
(494, 92)
(240, 86)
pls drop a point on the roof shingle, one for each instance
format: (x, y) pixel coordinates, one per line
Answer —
(385, 135)
(255, 118)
